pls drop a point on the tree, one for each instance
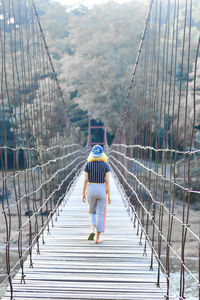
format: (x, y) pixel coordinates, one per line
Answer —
(104, 42)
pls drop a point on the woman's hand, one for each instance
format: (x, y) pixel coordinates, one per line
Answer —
(84, 198)
(107, 187)
(85, 187)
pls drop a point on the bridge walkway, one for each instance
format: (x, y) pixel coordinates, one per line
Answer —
(71, 267)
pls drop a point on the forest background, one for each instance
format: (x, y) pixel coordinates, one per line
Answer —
(93, 51)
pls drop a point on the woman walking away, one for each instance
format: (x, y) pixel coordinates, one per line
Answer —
(96, 184)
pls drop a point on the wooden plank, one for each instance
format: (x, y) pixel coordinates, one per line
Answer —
(129, 278)
(67, 289)
(87, 295)
(71, 267)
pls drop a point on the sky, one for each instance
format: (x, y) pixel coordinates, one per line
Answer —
(90, 3)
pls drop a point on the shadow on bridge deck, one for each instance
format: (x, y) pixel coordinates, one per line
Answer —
(71, 267)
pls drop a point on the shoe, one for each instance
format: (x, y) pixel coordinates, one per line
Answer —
(99, 242)
(91, 236)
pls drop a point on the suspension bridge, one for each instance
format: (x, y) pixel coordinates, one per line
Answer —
(151, 226)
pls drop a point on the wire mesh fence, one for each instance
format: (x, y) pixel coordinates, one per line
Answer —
(39, 153)
(156, 151)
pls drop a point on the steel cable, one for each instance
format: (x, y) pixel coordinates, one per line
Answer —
(155, 153)
(39, 153)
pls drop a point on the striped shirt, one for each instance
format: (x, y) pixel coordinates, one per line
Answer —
(96, 171)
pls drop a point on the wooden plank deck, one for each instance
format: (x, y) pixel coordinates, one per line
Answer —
(71, 267)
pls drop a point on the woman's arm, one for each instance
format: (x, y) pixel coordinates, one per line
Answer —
(85, 186)
(107, 184)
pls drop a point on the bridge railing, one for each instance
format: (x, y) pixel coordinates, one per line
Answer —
(156, 150)
(30, 197)
(157, 215)
(40, 156)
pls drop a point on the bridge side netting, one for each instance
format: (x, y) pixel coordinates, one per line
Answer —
(39, 152)
(156, 150)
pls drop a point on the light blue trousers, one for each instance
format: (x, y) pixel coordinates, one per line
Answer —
(97, 198)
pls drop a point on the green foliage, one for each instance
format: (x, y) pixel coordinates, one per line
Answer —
(93, 52)
(105, 42)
